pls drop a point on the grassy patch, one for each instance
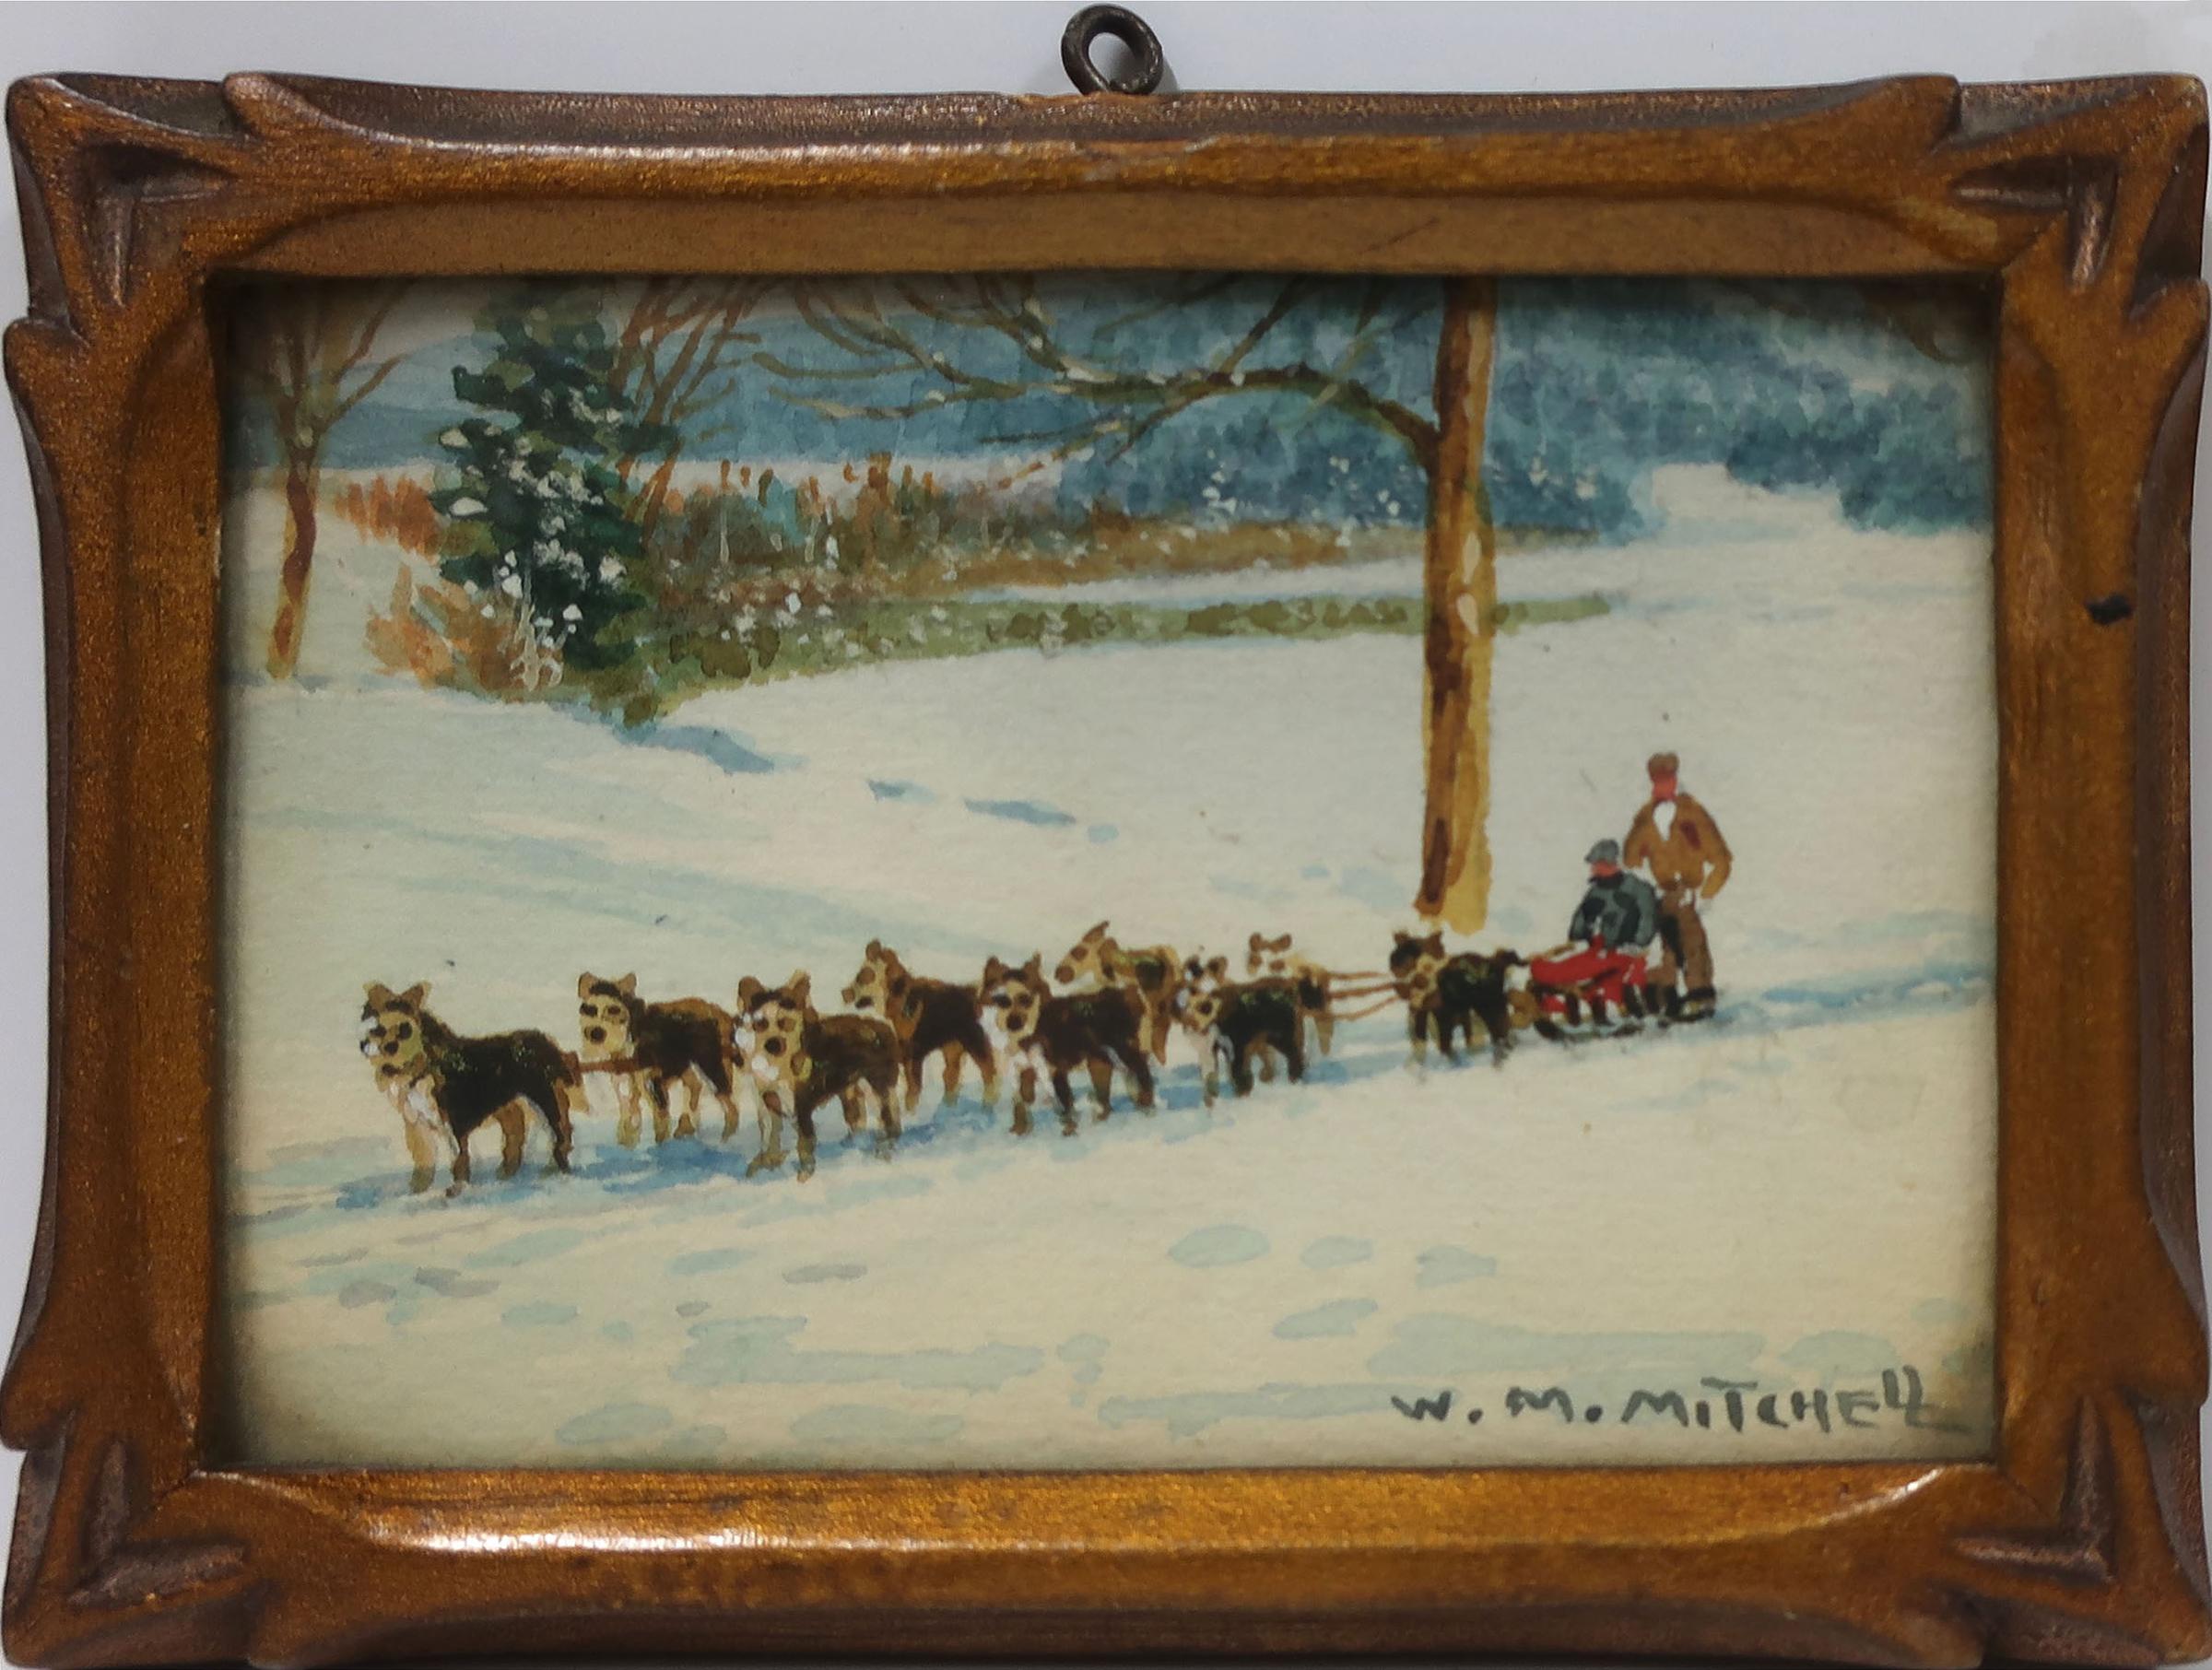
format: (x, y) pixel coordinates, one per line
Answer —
(784, 644)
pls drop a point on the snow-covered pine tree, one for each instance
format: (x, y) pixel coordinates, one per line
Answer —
(537, 522)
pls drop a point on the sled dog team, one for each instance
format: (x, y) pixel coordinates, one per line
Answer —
(1632, 943)
(1115, 1008)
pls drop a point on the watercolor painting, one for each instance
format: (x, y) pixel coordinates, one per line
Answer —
(1108, 870)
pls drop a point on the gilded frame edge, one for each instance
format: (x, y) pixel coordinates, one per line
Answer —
(2082, 1541)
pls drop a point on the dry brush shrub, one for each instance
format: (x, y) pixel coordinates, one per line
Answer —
(885, 530)
(443, 635)
(400, 511)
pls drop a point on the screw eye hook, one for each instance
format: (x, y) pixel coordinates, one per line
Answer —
(1082, 33)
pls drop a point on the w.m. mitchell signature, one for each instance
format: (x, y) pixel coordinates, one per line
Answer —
(1713, 1405)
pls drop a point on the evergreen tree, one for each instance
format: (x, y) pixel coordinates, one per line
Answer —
(538, 524)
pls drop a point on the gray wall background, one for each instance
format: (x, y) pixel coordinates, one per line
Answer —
(933, 47)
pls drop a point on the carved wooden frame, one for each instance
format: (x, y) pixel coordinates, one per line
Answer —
(2081, 1540)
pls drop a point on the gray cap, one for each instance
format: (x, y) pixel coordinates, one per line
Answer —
(1606, 852)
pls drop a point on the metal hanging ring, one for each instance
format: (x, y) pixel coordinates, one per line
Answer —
(1082, 33)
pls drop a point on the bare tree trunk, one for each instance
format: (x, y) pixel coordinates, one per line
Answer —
(654, 495)
(299, 483)
(1461, 585)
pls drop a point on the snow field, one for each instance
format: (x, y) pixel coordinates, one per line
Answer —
(1802, 1194)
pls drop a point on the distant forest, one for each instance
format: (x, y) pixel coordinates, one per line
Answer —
(1879, 393)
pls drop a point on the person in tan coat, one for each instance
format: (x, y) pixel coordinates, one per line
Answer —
(1677, 841)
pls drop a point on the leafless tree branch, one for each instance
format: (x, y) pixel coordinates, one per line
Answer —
(1134, 403)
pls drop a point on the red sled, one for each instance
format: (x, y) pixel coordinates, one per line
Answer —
(1598, 982)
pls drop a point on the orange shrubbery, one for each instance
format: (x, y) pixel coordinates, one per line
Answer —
(443, 636)
(400, 511)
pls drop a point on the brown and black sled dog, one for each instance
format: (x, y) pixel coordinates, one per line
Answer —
(801, 1058)
(930, 1017)
(1049, 1036)
(1155, 972)
(1445, 994)
(1275, 959)
(446, 1084)
(684, 1041)
(1238, 1022)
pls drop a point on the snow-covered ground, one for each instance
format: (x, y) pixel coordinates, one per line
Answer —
(1800, 1196)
